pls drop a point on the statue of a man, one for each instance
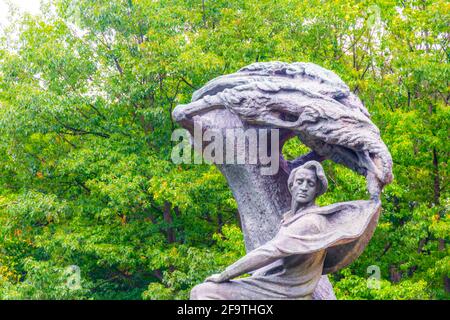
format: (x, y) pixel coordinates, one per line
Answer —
(291, 264)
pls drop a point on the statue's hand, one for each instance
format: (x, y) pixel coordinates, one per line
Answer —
(217, 278)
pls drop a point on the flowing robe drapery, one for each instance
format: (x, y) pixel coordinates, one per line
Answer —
(299, 251)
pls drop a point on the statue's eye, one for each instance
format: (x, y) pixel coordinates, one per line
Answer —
(312, 184)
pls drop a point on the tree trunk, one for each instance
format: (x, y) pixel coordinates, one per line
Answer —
(169, 221)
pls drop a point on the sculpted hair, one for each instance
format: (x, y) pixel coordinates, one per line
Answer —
(320, 174)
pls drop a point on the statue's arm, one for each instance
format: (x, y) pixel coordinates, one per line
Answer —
(258, 258)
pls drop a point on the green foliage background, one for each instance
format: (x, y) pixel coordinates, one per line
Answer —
(86, 93)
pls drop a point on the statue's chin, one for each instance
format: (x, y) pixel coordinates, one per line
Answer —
(304, 201)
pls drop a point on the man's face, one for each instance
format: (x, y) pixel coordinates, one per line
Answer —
(304, 186)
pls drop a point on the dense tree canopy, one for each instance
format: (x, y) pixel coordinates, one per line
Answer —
(86, 180)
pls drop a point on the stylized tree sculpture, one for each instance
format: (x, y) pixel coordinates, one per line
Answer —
(300, 99)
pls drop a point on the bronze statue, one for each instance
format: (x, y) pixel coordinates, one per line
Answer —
(291, 264)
